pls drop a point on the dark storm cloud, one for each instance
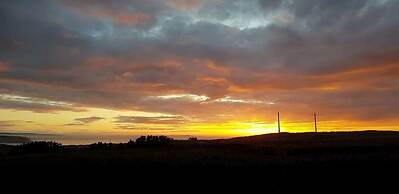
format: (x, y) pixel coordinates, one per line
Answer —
(326, 36)
(33, 30)
(139, 13)
(116, 54)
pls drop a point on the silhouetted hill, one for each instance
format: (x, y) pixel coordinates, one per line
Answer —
(370, 149)
(338, 138)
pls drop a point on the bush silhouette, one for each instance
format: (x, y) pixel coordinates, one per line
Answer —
(152, 140)
(130, 143)
(37, 147)
(141, 140)
(193, 139)
(100, 145)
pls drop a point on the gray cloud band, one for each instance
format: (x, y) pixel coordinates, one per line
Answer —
(330, 55)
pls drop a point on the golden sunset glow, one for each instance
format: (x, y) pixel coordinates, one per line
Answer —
(190, 68)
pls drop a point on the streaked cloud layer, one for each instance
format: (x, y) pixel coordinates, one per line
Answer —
(199, 64)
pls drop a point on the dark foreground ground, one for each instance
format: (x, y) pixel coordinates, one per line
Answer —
(350, 149)
(271, 162)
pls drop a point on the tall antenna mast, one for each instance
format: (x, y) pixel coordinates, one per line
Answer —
(315, 123)
(278, 121)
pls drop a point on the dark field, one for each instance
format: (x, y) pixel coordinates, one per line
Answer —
(350, 149)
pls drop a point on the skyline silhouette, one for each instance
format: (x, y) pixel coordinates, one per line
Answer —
(110, 70)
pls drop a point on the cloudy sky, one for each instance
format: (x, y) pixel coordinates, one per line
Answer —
(198, 67)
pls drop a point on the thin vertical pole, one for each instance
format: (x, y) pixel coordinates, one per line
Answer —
(278, 121)
(315, 123)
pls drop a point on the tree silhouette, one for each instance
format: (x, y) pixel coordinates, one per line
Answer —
(193, 139)
(153, 140)
(36, 147)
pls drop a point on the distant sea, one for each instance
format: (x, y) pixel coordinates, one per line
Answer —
(83, 139)
(69, 139)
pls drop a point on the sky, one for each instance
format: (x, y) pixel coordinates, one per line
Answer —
(205, 68)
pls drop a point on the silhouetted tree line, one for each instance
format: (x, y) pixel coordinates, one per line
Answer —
(51, 146)
(101, 145)
(152, 140)
(193, 139)
(37, 147)
(139, 142)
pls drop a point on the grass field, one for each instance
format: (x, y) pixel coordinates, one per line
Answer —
(272, 151)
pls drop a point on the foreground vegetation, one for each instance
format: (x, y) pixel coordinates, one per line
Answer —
(351, 149)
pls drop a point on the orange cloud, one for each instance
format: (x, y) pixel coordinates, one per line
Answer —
(213, 66)
(99, 62)
(189, 4)
(4, 66)
(117, 13)
(366, 77)
(138, 18)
